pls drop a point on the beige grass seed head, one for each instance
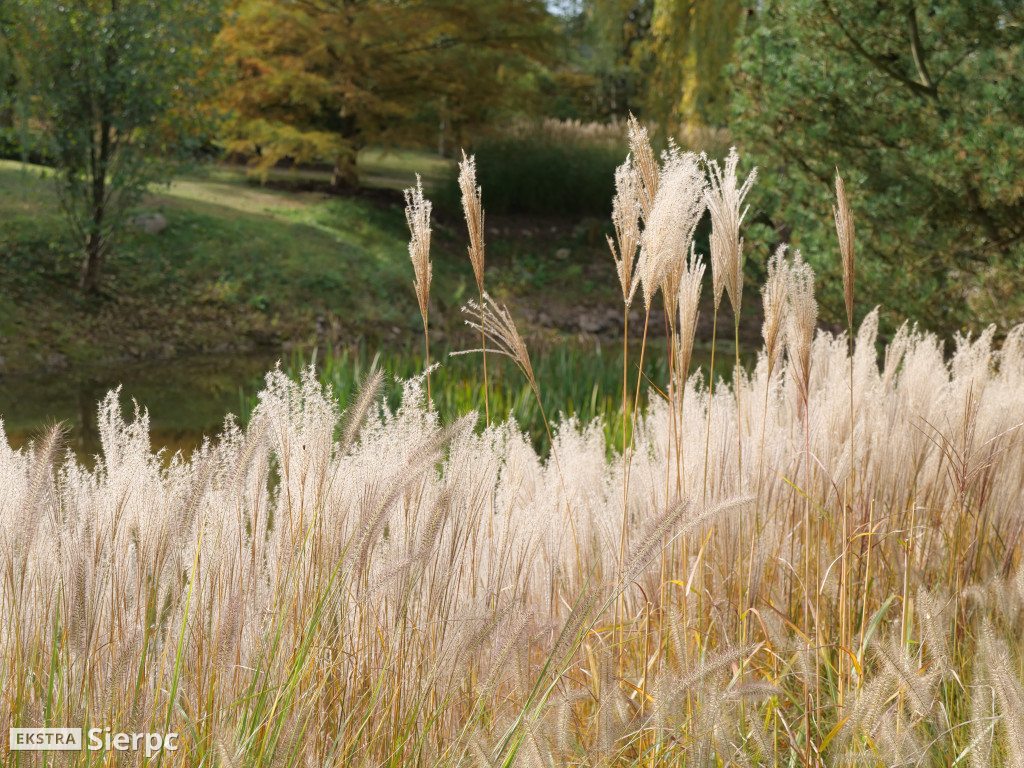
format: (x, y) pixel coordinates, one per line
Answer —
(773, 297)
(845, 230)
(626, 219)
(646, 167)
(677, 210)
(725, 203)
(801, 317)
(689, 303)
(417, 214)
(497, 325)
(472, 207)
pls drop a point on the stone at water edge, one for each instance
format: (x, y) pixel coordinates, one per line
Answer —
(150, 223)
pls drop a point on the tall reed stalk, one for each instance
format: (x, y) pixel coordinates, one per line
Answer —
(845, 231)
(473, 210)
(626, 215)
(724, 199)
(417, 215)
(801, 318)
(775, 302)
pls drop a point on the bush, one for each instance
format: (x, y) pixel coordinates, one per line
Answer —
(15, 145)
(562, 168)
(932, 147)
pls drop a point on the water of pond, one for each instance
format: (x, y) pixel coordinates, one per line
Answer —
(186, 399)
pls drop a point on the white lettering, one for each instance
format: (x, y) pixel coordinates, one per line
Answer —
(37, 739)
(70, 739)
(153, 743)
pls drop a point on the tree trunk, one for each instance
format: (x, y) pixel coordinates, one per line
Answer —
(92, 265)
(95, 242)
(345, 174)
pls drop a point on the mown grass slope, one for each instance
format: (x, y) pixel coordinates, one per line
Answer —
(246, 263)
(236, 267)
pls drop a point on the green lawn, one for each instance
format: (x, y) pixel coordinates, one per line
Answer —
(238, 266)
(248, 262)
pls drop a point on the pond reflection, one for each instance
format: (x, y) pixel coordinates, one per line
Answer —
(186, 399)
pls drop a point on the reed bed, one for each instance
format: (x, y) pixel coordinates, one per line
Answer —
(375, 587)
(579, 379)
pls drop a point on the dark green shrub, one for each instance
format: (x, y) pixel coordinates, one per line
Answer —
(544, 172)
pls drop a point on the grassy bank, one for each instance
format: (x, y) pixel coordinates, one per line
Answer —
(242, 266)
(257, 271)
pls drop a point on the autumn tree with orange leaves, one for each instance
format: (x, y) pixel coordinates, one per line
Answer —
(316, 80)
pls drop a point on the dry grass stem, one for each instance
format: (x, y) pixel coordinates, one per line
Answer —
(472, 207)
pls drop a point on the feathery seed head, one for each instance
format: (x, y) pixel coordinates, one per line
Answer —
(472, 207)
(725, 201)
(773, 296)
(929, 617)
(646, 167)
(356, 415)
(844, 228)
(689, 301)
(227, 755)
(626, 218)
(919, 689)
(801, 316)
(677, 209)
(45, 453)
(867, 707)
(1009, 694)
(417, 214)
(497, 325)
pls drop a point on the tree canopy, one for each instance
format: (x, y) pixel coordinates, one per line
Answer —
(921, 105)
(664, 59)
(315, 80)
(112, 88)
(918, 103)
